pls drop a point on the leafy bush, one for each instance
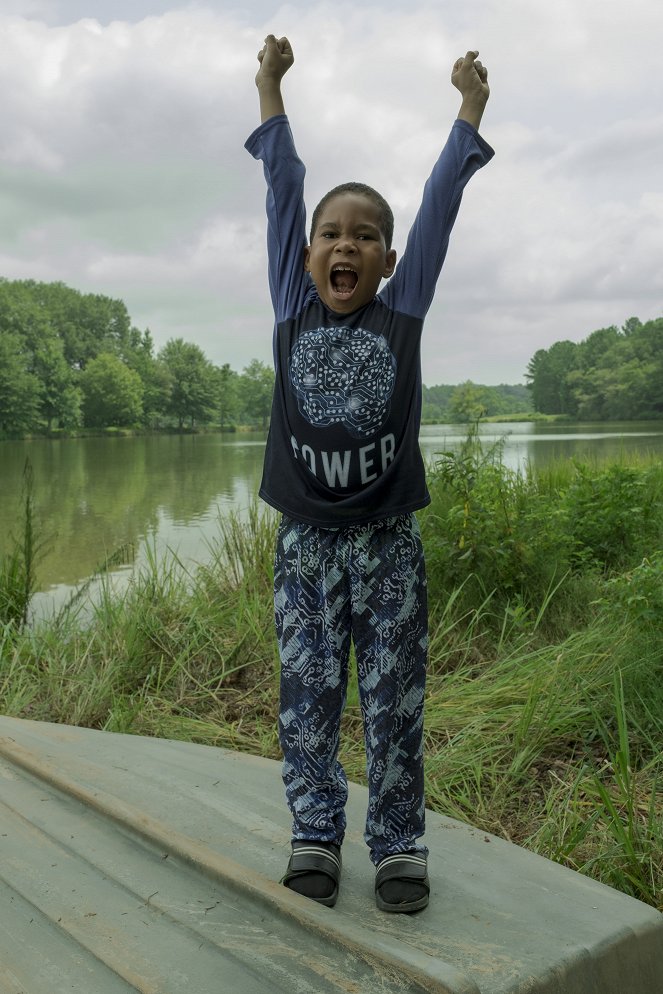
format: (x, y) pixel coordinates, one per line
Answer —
(17, 566)
(613, 514)
(540, 546)
(493, 532)
(639, 592)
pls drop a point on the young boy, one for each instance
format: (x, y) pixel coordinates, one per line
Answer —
(344, 468)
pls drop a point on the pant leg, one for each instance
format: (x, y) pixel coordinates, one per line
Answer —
(312, 615)
(390, 630)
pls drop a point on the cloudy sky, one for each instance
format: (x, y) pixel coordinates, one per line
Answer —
(123, 170)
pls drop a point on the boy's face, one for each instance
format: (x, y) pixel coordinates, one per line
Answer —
(348, 256)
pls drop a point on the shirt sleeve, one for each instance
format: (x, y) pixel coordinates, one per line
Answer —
(412, 286)
(273, 144)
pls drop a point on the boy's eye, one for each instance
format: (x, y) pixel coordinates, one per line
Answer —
(361, 237)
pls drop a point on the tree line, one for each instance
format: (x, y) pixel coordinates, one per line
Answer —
(470, 401)
(70, 360)
(615, 374)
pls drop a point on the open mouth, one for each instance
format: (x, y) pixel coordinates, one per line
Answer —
(343, 281)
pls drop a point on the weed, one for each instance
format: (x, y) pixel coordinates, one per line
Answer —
(17, 578)
(545, 685)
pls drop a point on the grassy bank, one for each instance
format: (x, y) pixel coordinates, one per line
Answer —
(545, 691)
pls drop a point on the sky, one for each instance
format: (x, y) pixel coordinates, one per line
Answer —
(123, 170)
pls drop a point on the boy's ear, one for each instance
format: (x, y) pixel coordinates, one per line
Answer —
(390, 262)
(307, 255)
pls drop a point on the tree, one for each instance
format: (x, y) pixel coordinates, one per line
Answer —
(540, 379)
(60, 397)
(20, 390)
(155, 377)
(468, 403)
(256, 385)
(112, 393)
(228, 395)
(618, 377)
(435, 402)
(548, 373)
(88, 324)
(612, 375)
(631, 325)
(157, 387)
(193, 392)
(496, 400)
(593, 349)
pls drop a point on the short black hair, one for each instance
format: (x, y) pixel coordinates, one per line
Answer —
(386, 214)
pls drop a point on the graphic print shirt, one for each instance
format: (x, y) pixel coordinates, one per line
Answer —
(343, 443)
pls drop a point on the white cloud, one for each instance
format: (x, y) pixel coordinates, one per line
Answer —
(122, 166)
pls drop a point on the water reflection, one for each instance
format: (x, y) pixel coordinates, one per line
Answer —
(96, 495)
(538, 443)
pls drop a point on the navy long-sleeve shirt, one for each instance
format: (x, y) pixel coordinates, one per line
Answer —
(343, 443)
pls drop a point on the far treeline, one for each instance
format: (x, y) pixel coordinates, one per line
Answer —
(613, 375)
(71, 361)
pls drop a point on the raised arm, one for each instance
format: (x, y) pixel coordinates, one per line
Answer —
(471, 78)
(273, 145)
(275, 58)
(411, 288)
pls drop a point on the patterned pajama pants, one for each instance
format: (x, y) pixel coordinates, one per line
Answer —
(366, 584)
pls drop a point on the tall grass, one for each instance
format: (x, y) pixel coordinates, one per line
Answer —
(544, 712)
(17, 566)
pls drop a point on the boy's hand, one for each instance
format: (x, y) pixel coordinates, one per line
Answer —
(275, 58)
(471, 78)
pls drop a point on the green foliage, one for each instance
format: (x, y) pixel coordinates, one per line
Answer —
(545, 682)
(256, 389)
(635, 829)
(112, 393)
(612, 826)
(612, 375)
(193, 390)
(87, 323)
(20, 389)
(49, 337)
(551, 741)
(228, 394)
(613, 514)
(17, 567)
(492, 532)
(155, 378)
(467, 401)
(69, 359)
(547, 373)
(61, 398)
(638, 592)
(526, 541)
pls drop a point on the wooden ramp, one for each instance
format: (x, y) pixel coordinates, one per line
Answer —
(135, 864)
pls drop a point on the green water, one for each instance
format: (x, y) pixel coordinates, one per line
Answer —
(96, 495)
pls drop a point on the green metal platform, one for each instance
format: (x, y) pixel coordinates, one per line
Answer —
(136, 864)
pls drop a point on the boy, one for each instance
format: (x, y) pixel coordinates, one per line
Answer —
(344, 468)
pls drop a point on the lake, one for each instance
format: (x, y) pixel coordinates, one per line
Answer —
(166, 492)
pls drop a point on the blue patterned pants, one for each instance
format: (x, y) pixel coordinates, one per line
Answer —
(366, 584)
